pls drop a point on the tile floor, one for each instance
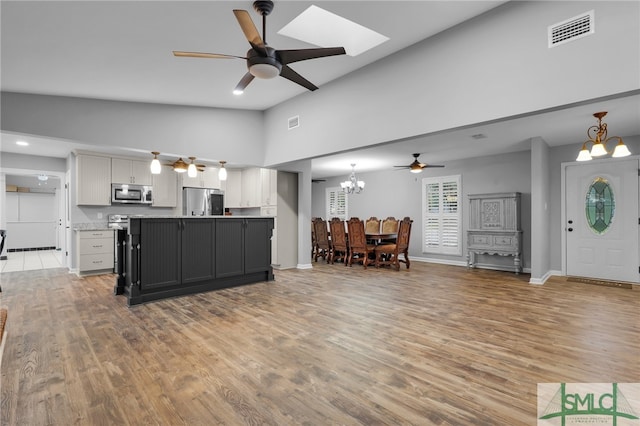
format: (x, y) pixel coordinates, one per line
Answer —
(31, 260)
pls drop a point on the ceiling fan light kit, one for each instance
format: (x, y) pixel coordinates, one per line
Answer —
(263, 61)
(598, 137)
(416, 166)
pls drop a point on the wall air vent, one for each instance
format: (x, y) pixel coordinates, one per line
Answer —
(293, 122)
(571, 29)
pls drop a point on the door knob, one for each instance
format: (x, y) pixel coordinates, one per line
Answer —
(570, 229)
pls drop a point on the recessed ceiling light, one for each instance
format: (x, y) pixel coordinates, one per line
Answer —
(22, 143)
(325, 29)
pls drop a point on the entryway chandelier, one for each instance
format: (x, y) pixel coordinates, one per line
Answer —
(598, 137)
(353, 185)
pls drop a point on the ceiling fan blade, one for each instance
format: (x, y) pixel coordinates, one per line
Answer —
(244, 82)
(290, 74)
(249, 29)
(205, 55)
(432, 165)
(295, 55)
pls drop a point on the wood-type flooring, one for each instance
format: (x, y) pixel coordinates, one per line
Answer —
(433, 345)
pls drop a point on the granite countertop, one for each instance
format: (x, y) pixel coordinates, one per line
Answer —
(91, 227)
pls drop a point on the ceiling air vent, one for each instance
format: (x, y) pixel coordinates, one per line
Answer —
(571, 29)
(293, 122)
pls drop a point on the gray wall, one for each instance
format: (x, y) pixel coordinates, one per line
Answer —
(398, 193)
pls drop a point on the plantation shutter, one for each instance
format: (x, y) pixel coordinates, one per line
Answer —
(336, 203)
(442, 215)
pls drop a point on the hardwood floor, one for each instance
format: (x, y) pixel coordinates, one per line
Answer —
(333, 345)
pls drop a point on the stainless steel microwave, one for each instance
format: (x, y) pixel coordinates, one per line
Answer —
(131, 194)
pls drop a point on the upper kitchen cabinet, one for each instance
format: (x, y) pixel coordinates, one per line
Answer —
(251, 188)
(269, 187)
(208, 178)
(165, 188)
(130, 171)
(233, 189)
(93, 180)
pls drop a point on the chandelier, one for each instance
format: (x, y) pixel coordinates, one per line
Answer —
(352, 186)
(598, 137)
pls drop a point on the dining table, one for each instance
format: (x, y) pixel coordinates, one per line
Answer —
(379, 237)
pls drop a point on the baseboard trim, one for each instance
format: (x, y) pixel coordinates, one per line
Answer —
(606, 283)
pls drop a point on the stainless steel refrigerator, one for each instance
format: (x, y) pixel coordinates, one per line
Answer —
(202, 202)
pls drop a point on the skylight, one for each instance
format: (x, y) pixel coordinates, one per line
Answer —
(325, 29)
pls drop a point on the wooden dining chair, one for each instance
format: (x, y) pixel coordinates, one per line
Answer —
(323, 243)
(359, 249)
(390, 226)
(389, 254)
(372, 225)
(339, 247)
(314, 241)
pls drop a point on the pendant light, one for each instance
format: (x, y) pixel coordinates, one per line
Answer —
(222, 173)
(353, 185)
(156, 167)
(598, 137)
(192, 170)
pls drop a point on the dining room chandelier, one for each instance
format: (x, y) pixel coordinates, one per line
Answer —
(353, 185)
(598, 137)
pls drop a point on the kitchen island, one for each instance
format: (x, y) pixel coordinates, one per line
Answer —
(168, 256)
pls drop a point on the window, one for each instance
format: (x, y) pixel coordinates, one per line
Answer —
(337, 205)
(442, 216)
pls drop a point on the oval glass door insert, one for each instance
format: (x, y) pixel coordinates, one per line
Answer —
(600, 205)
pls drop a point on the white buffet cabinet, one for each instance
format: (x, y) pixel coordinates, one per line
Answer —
(494, 227)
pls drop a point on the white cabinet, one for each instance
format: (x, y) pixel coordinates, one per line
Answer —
(494, 227)
(233, 189)
(130, 171)
(94, 251)
(251, 188)
(93, 180)
(269, 187)
(165, 188)
(208, 178)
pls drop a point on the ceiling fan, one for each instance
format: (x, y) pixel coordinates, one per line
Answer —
(182, 166)
(263, 61)
(416, 166)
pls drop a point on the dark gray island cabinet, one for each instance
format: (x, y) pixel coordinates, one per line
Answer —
(175, 256)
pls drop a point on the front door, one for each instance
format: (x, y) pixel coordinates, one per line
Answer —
(601, 202)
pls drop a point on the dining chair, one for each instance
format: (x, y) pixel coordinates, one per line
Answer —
(359, 249)
(389, 254)
(339, 245)
(314, 241)
(372, 225)
(323, 243)
(390, 226)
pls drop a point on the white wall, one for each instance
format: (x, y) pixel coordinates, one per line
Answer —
(494, 66)
(217, 134)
